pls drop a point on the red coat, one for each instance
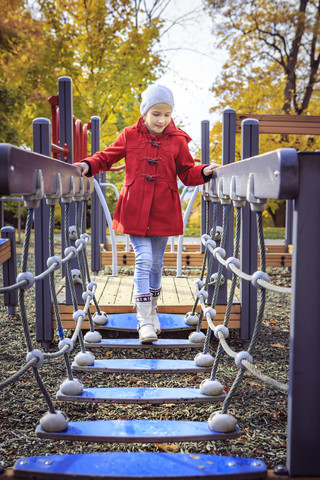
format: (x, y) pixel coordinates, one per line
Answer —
(149, 202)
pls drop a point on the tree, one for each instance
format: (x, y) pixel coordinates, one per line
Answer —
(100, 44)
(277, 44)
(272, 67)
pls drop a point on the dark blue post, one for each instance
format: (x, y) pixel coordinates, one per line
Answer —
(66, 115)
(249, 249)
(228, 136)
(66, 136)
(96, 210)
(205, 159)
(304, 412)
(42, 144)
(9, 269)
(228, 156)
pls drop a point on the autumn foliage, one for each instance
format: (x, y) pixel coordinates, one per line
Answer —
(102, 45)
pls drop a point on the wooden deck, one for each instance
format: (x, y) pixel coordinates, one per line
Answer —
(115, 295)
(5, 250)
(276, 256)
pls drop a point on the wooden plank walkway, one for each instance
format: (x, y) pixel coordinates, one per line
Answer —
(115, 295)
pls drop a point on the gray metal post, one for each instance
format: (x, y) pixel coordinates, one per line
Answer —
(96, 223)
(304, 385)
(9, 269)
(44, 333)
(228, 156)
(289, 223)
(228, 136)
(66, 136)
(205, 159)
(66, 115)
(249, 249)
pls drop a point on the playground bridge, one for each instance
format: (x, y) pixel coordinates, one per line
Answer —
(283, 174)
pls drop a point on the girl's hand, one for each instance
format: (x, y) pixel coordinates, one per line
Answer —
(84, 167)
(210, 168)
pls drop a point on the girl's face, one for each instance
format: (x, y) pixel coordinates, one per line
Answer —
(158, 118)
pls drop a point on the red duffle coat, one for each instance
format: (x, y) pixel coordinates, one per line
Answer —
(149, 202)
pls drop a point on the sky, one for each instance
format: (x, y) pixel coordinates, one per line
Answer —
(192, 65)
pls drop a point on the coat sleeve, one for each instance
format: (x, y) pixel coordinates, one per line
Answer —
(103, 161)
(189, 173)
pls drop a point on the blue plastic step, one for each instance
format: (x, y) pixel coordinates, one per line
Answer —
(114, 343)
(141, 365)
(138, 466)
(141, 395)
(128, 322)
(128, 431)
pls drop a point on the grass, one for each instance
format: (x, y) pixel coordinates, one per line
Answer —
(271, 233)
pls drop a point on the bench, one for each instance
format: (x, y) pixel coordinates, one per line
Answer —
(8, 261)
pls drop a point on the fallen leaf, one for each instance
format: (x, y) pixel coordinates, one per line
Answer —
(169, 448)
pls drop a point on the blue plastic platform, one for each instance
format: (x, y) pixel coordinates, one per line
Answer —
(139, 465)
(141, 395)
(141, 365)
(128, 431)
(128, 322)
(114, 343)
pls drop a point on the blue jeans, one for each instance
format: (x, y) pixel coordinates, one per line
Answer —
(149, 253)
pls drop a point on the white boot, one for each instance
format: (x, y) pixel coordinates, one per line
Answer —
(154, 314)
(145, 326)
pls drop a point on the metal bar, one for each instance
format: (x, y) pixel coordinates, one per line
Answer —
(276, 175)
(96, 214)
(228, 157)
(44, 334)
(185, 221)
(205, 159)
(19, 167)
(106, 212)
(289, 223)
(249, 249)
(304, 413)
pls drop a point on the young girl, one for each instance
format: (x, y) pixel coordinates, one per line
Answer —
(149, 208)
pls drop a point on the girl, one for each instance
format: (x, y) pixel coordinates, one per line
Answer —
(149, 208)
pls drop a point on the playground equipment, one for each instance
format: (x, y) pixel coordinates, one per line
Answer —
(283, 174)
(284, 180)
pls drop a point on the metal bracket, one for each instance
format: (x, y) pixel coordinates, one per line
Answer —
(79, 195)
(236, 199)
(68, 196)
(256, 204)
(33, 200)
(224, 198)
(53, 198)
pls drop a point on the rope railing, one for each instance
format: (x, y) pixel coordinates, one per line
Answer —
(225, 189)
(42, 187)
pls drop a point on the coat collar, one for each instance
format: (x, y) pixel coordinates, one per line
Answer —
(171, 129)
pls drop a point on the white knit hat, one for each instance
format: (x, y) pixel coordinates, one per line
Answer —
(155, 94)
